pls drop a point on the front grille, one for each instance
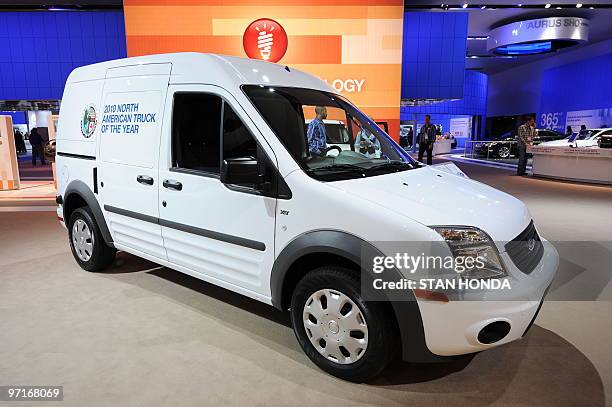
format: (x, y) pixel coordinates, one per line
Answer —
(526, 250)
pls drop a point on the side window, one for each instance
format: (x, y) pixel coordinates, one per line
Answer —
(196, 138)
(605, 133)
(237, 140)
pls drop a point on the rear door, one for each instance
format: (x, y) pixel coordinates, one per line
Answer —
(130, 128)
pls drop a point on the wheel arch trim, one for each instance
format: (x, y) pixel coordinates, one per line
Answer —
(78, 187)
(349, 246)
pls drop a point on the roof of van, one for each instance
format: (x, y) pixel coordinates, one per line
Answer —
(222, 70)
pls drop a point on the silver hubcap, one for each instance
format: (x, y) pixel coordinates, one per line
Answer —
(504, 152)
(82, 240)
(335, 326)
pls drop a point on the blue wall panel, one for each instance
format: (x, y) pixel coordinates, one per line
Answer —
(18, 117)
(433, 50)
(38, 50)
(583, 85)
(473, 103)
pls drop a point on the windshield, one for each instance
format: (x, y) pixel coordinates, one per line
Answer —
(326, 135)
(583, 135)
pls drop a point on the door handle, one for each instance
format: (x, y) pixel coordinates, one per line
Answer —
(145, 179)
(172, 184)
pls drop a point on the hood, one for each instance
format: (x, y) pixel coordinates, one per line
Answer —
(432, 197)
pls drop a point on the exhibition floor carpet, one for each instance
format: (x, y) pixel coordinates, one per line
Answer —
(144, 335)
(27, 171)
(31, 196)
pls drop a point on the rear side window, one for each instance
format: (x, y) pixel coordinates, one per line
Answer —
(196, 126)
(606, 133)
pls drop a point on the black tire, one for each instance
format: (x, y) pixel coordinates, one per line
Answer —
(102, 255)
(503, 151)
(382, 333)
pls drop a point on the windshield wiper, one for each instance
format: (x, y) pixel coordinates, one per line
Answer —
(393, 165)
(338, 167)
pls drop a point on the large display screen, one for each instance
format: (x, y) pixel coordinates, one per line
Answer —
(354, 45)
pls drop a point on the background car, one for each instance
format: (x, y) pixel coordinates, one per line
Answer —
(585, 138)
(507, 146)
(406, 134)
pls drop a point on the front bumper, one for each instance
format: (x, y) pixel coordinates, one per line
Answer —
(452, 328)
(483, 150)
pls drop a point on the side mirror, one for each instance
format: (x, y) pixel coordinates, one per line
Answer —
(240, 171)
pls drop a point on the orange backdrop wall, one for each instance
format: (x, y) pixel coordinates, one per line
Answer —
(355, 45)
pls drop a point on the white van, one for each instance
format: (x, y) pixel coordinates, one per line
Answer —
(203, 163)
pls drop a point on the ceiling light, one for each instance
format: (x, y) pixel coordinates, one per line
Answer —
(465, 5)
(520, 5)
(547, 5)
(537, 47)
(483, 7)
(578, 5)
(558, 8)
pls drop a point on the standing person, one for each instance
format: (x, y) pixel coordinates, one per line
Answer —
(426, 139)
(316, 133)
(367, 144)
(37, 147)
(568, 131)
(19, 144)
(526, 133)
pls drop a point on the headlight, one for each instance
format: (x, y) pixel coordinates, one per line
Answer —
(468, 242)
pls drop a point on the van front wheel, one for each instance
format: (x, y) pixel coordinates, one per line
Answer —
(86, 241)
(338, 330)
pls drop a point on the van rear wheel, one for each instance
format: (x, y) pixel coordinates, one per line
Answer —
(338, 330)
(86, 241)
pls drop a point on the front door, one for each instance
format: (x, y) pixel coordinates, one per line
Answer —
(225, 233)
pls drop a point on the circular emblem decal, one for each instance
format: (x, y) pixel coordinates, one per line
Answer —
(265, 39)
(89, 120)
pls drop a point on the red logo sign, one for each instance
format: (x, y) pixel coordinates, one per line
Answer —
(265, 39)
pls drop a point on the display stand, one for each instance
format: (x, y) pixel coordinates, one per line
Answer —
(443, 146)
(9, 168)
(52, 126)
(586, 164)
